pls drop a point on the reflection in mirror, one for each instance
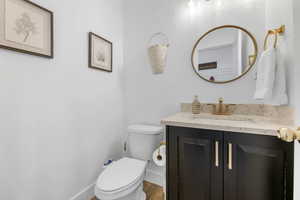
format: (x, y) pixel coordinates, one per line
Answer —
(224, 54)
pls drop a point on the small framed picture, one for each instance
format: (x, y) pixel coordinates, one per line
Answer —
(26, 27)
(100, 53)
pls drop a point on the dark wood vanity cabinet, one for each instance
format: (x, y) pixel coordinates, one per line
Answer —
(191, 169)
(215, 165)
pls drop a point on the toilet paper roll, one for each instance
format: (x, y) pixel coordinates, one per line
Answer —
(159, 156)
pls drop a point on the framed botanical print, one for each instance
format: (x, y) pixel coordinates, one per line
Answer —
(100, 53)
(26, 27)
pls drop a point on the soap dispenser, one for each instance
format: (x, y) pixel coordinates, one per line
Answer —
(196, 106)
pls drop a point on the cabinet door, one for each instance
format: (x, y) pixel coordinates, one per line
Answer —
(257, 168)
(195, 165)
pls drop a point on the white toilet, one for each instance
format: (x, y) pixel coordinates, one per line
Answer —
(123, 179)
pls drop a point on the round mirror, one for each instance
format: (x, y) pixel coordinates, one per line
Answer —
(224, 54)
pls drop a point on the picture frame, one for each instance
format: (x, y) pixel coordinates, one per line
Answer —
(26, 27)
(100, 53)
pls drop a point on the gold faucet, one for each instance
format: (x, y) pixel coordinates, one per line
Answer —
(221, 108)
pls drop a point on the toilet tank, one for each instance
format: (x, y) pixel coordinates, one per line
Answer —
(143, 140)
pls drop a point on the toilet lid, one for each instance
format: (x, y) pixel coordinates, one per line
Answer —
(120, 174)
(145, 129)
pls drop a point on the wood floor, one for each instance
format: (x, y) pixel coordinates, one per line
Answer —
(153, 192)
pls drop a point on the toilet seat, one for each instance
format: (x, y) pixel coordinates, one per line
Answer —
(120, 178)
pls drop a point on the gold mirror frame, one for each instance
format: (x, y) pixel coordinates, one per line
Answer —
(222, 27)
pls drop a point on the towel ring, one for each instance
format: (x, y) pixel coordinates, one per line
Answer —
(267, 37)
(274, 32)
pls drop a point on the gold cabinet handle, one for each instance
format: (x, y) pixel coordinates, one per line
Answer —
(229, 156)
(217, 162)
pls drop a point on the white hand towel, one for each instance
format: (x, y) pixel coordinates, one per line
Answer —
(266, 74)
(279, 96)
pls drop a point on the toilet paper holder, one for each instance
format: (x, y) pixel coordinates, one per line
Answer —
(162, 143)
(159, 156)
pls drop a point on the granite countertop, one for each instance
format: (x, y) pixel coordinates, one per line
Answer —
(234, 123)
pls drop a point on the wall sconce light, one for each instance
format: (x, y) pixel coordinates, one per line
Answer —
(191, 3)
(200, 7)
(194, 3)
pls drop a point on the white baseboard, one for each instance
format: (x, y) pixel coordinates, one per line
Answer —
(155, 177)
(86, 194)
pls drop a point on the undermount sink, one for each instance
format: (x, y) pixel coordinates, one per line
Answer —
(225, 117)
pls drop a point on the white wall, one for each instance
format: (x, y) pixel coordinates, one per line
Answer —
(297, 93)
(297, 54)
(150, 98)
(59, 119)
